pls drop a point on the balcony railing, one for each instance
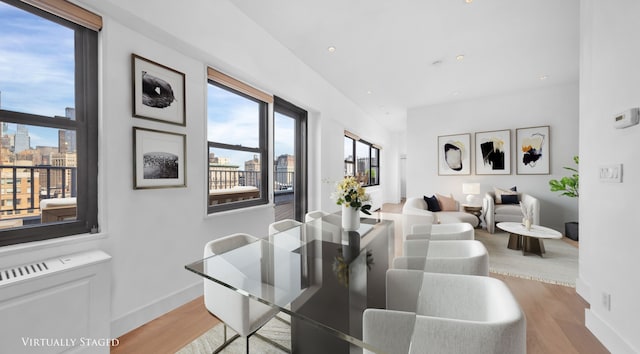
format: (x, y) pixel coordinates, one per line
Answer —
(52, 182)
(222, 179)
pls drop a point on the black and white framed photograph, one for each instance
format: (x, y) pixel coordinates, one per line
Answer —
(493, 152)
(454, 154)
(159, 159)
(158, 92)
(532, 151)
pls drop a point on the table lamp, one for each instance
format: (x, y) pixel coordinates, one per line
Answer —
(471, 190)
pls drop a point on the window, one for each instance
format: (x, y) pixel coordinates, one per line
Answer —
(237, 139)
(361, 160)
(48, 120)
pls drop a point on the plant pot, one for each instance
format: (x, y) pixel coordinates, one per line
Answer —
(350, 218)
(571, 230)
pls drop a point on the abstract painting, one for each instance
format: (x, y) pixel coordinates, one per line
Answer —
(158, 159)
(532, 151)
(454, 154)
(158, 92)
(493, 152)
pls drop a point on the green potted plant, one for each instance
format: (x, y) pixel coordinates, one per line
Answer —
(568, 186)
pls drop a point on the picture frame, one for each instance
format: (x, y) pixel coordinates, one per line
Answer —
(493, 152)
(158, 92)
(533, 150)
(454, 155)
(159, 159)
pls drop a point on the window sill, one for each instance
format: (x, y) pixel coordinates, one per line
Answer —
(239, 210)
(51, 243)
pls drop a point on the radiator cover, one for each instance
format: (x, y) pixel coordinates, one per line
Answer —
(57, 305)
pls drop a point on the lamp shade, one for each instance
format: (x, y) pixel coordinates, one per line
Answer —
(471, 188)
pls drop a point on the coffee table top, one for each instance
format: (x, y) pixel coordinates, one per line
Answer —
(536, 230)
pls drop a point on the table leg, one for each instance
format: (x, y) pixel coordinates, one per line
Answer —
(533, 245)
(515, 242)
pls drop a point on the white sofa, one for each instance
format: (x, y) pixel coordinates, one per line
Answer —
(417, 206)
(495, 213)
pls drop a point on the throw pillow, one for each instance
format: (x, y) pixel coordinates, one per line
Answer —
(510, 199)
(447, 203)
(499, 192)
(432, 203)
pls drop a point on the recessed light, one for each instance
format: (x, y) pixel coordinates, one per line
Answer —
(460, 57)
(468, 1)
(369, 92)
(544, 77)
(331, 49)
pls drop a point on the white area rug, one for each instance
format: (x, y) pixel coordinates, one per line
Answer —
(559, 265)
(275, 330)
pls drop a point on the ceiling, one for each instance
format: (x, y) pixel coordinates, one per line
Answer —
(391, 56)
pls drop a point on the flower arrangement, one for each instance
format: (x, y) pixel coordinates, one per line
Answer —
(350, 193)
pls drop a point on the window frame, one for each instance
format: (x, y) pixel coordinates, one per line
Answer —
(231, 85)
(86, 127)
(354, 164)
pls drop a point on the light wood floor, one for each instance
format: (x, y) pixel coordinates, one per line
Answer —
(555, 321)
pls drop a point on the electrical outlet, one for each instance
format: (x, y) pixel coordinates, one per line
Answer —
(606, 301)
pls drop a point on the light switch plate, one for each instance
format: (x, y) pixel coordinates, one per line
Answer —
(611, 173)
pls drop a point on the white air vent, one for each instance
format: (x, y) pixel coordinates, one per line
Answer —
(18, 272)
(52, 265)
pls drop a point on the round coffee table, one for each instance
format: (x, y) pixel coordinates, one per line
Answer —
(529, 241)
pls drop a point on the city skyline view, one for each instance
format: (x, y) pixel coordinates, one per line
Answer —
(37, 71)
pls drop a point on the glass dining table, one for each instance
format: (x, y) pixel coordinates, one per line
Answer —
(320, 275)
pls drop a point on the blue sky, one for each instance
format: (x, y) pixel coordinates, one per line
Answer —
(36, 68)
(233, 120)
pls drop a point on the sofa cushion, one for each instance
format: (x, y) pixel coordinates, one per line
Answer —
(449, 217)
(499, 192)
(508, 209)
(447, 203)
(432, 203)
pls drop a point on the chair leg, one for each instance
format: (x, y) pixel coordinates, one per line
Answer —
(272, 342)
(227, 342)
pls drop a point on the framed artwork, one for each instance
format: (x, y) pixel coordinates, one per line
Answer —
(159, 159)
(158, 92)
(533, 151)
(454, 155)
(493, 152)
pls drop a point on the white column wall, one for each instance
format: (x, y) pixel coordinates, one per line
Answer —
(609, 242)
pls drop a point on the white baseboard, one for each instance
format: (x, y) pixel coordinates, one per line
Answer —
(583, 289)
(142, 315)
(607, 335)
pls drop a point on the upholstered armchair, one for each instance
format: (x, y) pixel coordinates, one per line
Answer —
(495, 213)
(446, 314)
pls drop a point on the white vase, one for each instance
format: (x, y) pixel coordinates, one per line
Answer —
(527, 224)
(350, 219)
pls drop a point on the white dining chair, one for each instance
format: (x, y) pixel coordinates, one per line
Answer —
(451, 256)
(242, 314)
(446, 314)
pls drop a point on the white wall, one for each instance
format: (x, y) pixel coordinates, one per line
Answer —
(609, 242)
(556, 107)
(152, 234)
